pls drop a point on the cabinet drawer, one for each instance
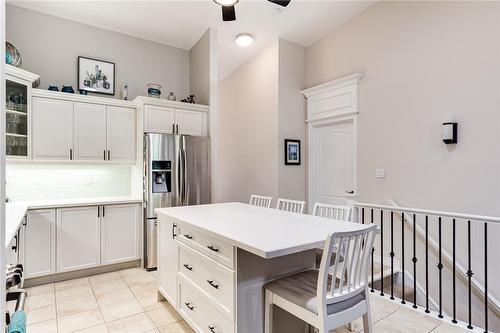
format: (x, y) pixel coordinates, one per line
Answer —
(199, 312)
(214, 248)
(215, 279)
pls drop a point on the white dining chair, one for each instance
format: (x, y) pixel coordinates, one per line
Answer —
(260, 200)
(318, 297)
(295, 206)
(335, 212)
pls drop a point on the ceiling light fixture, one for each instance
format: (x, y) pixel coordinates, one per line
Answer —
(226, 2)
(244, 39)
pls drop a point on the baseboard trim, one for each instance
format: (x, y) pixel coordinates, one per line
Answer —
(81, 273)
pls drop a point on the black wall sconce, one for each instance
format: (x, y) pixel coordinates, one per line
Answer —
(450, 133)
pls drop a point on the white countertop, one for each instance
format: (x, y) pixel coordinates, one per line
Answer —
(15, 211)
(265, 232)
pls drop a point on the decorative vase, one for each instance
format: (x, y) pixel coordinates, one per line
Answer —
(68, 89)
(171, 97)
(83, 92)
(12, 55)
(154, 90)
(53, 87)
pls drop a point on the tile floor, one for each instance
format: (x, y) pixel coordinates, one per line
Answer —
(125, 301)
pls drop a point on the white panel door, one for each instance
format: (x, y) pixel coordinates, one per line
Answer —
(78, 238)
(158, 119)
(40, 243)
(52, 129)
(120, 233)
(191, 122)
(334, 162)
(167, 259)
(121, 134)
(89, 131)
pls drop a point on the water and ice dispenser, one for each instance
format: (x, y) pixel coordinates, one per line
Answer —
(162, 176)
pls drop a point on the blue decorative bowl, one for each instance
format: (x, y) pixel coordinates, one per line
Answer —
(12, 55)
(53, 87)
(68, 89)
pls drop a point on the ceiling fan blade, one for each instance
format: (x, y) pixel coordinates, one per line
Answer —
(283, 3)
(228, 13)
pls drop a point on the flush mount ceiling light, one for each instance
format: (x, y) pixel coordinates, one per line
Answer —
(226, 2)
(244, 39)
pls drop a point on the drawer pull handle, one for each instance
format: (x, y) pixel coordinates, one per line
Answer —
(188, 267)
(188, 236)
(213, 248)
(189, 306)
(212, 329)
(211, 282)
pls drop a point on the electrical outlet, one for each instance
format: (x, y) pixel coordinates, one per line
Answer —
(87, 180)
(380, 173)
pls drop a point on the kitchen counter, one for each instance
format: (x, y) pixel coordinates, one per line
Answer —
(15, 211)
(265, 232)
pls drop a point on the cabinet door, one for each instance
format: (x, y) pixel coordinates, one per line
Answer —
(89, 131)
(158, 119)
(78, 238)
(40, 243)
(191, 122)
(52, 129)
(167, 259)
(121, 134)
(120, 233)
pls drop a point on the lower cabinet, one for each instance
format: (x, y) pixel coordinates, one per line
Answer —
(78, 238)
(167, 253)
(120, 233)
(38, 235)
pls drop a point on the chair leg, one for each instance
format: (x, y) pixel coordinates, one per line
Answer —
(367, 317)
(349, 327)
(268, 312)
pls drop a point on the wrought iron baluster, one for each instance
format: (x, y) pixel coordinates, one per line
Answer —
(427, 264)
(414, 259)
(381, 252)
(469, 274)
(454, 320)
(363, 215)
(403, 301)
(440, 268)
(392, 255)
(485, 277)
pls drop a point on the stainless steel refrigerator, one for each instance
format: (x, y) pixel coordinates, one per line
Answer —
(177, 173)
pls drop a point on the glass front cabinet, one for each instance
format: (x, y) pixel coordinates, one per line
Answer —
(18, 87)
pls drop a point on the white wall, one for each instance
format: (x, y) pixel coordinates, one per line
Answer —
(199, 64)
(55, 181)
(50, 47)
(292, 115)
(248, 150)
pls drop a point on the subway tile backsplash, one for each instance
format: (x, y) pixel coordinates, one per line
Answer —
(54, 181)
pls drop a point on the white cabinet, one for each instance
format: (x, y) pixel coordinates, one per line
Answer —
(52, 129)
(159, 119)
(120, 233)
(167, 259)
(191, 122)
(78, 238)
(39, 239)
(121, 134)
(89, 131)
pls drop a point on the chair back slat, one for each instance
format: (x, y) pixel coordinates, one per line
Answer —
(352, 252)
(335, 212)
(295, 206)
(260, 200)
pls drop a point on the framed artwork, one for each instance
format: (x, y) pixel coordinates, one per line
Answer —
(292, 152)
(97, 76)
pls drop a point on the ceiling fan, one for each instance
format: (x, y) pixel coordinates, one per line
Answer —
(229, 13)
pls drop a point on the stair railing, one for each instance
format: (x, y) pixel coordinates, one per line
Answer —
(366, 214)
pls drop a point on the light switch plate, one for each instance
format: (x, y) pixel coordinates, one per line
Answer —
(380, 173)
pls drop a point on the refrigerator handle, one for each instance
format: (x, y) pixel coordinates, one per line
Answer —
(184, 179)
(178, 175)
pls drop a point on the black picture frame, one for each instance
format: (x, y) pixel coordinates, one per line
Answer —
(96, 90)
(292, 152)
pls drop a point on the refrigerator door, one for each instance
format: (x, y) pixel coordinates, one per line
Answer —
(159, 148)
(151, 243)
(195, 170)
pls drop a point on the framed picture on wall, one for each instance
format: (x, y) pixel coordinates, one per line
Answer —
(292, 152)
(96, 76)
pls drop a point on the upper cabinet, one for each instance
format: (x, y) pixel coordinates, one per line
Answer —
(162, 116)
(18, 85)
(83, 128)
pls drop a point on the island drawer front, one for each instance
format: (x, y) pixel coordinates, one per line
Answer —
(199, 312)
(215, 279)
(212, 247)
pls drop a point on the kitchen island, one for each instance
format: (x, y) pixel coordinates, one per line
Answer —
(215, 259)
